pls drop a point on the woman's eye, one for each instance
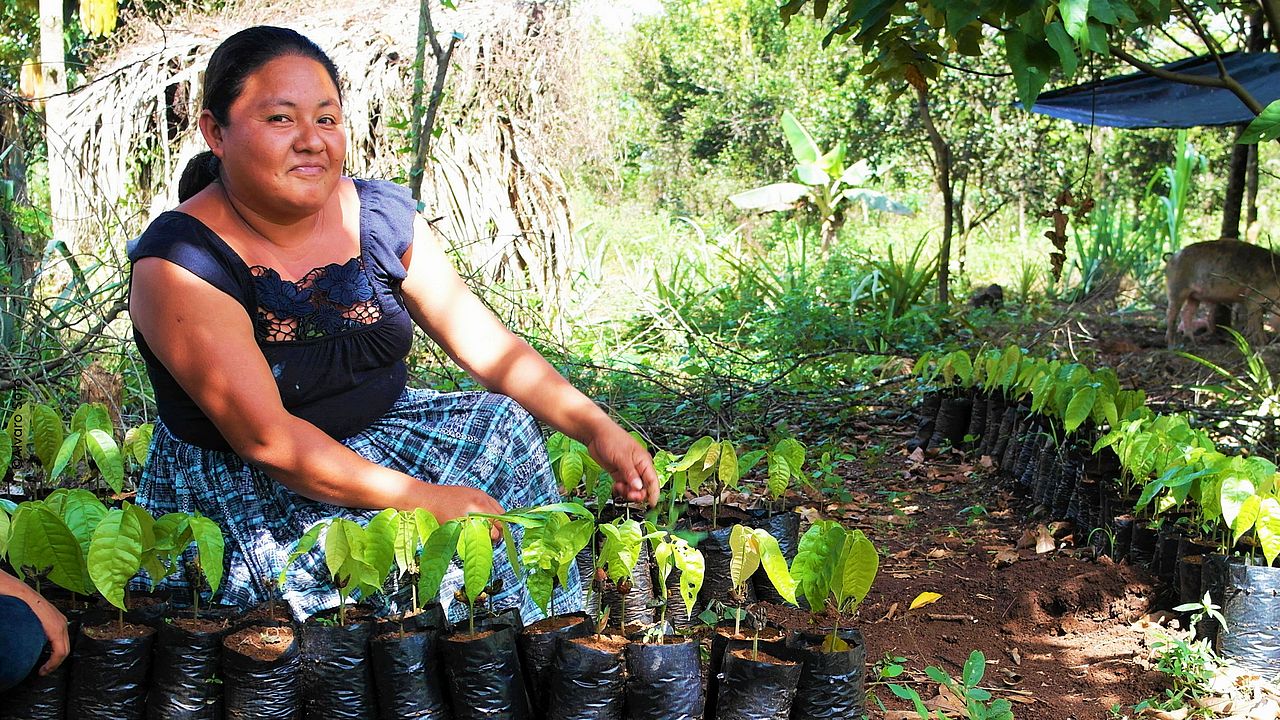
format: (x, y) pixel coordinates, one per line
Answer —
(329, 120)
(278, 118)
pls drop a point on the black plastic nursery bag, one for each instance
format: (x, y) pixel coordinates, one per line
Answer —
(185, 682)
(337, 683)
(832, 684)
(756, 687)
(1252, 611)
(109, 675)
(664, 682)
(587, 680)
(484, 675)
(537, 644)
(261, 689)
(408, 677)
(38, 697)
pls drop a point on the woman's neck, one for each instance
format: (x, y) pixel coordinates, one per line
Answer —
(285, 233)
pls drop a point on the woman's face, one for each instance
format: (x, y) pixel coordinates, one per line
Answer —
(283, 147)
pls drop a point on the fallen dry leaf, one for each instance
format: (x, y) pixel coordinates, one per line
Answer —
(1027, 539)
(1013, 653)
(935, 489)
(986, 462)
(938, 553)
(916, 456)
(893, 610)
(1006, 557)
(1044, 541)
(925, 598)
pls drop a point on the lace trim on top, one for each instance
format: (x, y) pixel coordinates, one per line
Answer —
(326, 301)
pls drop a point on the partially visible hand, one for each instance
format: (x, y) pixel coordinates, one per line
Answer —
(447, 502)
(55, 629)
(630, 466)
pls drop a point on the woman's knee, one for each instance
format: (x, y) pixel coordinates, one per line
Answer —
(21, 642)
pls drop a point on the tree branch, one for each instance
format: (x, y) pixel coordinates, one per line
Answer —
(1224, 81)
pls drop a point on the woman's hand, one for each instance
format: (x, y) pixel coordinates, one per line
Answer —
(447, 502)
(629, 464)
(55, 629)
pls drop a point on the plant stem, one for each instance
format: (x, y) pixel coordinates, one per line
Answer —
(471, 620)
(120, 619)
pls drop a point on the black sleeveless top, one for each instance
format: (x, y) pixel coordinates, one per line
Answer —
(335, 340)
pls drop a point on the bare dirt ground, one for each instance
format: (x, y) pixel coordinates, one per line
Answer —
(1062, 632)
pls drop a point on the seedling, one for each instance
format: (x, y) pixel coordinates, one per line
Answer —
(122, 544)
(357, 557)
(786, 463)
(752, 549)
(837, 566)
(619, 554)
(672, 550)
(708, 458)
(412, 529)
(551, 543)
(978, 702)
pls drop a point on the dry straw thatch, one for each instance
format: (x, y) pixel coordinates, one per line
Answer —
(513, 111)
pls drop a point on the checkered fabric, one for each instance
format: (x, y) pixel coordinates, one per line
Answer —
(482, 440)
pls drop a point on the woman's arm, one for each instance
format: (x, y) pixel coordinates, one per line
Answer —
(476, 339)
(53, 622)
(206, 342)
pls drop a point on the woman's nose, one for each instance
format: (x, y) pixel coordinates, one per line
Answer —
(308, 138)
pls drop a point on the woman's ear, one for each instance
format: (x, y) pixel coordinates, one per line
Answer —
(212, 132)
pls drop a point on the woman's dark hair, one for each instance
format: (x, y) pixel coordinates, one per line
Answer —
(238, 57)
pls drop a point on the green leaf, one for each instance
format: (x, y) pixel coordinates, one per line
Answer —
(301, 547)
(82, 511)
(621, 549)
(695, 454)
(343, 547)
(1236, 489)
(812, 174)
(746, 555)
(106, 455)
(779, 475)
(728, 470)
(1268, 528)
(748, 461)
(380, 548)
(776, 197)
(1079, 408)
(92, 416)
(210, 547)
(775, 565)
(794, 451)
(1028, 78)
(115, 554)
(6, 523)
(974, 668)
(138, 442)
(46, 434)
(513, 556)
(64, 456)
(1246, 518)
(6, 453)
(813, 565)
(857, 568)
(570, 472)
(1264, 127)
(41, 541)
(475, 549)
(437, 553)
(1075, 17)
(803, 147)
(541, 585)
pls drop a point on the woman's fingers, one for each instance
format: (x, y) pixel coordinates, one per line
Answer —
(55, 629)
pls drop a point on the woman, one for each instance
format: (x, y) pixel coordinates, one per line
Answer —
(30, 624)
(274, 308)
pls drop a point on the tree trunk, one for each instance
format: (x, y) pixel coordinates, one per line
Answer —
(942, 170)
(1235, 191)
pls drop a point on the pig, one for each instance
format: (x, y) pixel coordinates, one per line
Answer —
(1221, 272)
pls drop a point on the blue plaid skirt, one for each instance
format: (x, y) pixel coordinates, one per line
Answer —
(482, 440)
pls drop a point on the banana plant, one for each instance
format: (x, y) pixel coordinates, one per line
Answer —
(672, 551)
(837, 566)
(825, 183)
(753, 548)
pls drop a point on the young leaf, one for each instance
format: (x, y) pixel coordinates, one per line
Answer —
(138, 442)
(779, 475)
(115, 554)
(794, 451)
(814, 563)
(380, 537)
(41, 541)
(437, 553)
(1079, 408)
(1268, 528)
(46, 434)
(749, 460)
(302, 547)
(570, 467)
(1235, 490)
(64, 456)
(475, 549)
(856, 572)
(974, 668)
(692, 566)
(728, 465)
(621, 549)
(210, 546)
(695, 454)
(775, 565)
(1246, 518)
(746, 555)
(106, 455)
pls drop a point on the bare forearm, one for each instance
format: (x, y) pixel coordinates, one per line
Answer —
(307, 461)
